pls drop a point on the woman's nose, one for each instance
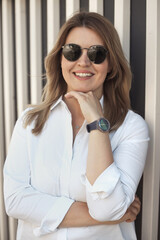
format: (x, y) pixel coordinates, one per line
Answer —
(84, 60)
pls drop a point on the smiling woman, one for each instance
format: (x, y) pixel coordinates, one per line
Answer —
(78, 182)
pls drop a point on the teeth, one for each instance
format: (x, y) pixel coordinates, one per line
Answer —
(83, 74)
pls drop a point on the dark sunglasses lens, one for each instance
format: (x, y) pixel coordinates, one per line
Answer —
(97, 54)
(71, 52)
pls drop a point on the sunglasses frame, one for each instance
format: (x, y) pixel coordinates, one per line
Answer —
(88, 52)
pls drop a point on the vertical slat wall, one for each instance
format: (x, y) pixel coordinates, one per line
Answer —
(96, 6)
(3, 217)
(8, 82)
(8, 67)
(21, 61)
(71, 6)
(35, 51)
(122, 24)
(53, 22)
(151, 186)
(21, 55)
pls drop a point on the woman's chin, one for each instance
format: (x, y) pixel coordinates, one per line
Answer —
(79, 90)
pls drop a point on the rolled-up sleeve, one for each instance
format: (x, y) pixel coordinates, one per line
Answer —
(22, 200)
(114, 190)
(104, 184)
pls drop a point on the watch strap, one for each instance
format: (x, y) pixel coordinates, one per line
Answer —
(91, 126)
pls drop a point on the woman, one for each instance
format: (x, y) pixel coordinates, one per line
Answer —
(75, 160)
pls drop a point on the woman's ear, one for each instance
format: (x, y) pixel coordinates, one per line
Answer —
(108, 74)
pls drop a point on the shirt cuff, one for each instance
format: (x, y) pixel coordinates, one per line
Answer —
(54, 217)
(104, 184)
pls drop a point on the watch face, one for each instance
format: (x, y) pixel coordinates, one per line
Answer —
(104, 125)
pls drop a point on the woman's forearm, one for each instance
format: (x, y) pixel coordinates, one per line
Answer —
(99, 155)
(78, 216)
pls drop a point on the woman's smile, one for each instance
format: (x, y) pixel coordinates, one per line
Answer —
(83, 74)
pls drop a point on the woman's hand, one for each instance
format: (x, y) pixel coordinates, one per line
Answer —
(132, 211)
(89, 104)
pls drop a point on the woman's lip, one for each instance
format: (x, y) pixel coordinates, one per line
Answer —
(83, 75)
(84, 71)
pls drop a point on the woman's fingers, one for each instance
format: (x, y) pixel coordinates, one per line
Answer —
(136, 205)
(138, 200)
(133, 210)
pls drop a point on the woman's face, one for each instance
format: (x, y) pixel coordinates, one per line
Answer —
(83, 75)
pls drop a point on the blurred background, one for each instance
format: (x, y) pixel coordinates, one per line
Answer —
(28, 31)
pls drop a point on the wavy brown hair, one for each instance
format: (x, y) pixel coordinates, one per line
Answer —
(116, 86)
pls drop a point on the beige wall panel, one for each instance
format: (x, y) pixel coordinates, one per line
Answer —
(71, 7)
(21, 55)
(35, 51)
(152, 114)
(3, 217)
(122, 24)
(8, 76)
(8, 68)
(96, 6)
(53, 22)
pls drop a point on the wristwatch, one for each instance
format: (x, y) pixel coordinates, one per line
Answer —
(101, 124)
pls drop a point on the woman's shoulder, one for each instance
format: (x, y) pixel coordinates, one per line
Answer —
(134, 125)
(20, 122)
(133, 118)
(24, 113)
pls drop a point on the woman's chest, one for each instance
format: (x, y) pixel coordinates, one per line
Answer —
(57, 164)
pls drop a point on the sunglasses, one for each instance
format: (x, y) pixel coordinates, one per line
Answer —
(95, 53)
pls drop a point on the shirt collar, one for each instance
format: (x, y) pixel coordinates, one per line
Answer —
(56, 103)
(101, 100)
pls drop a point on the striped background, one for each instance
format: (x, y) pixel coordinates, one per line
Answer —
(28, 29)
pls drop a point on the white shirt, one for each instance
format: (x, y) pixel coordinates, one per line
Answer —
(45, 174)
